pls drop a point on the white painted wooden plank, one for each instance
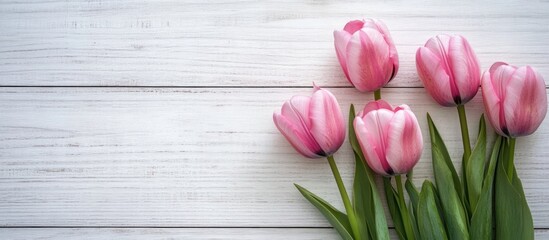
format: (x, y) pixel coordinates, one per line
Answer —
(190, 157)
(169, 233)
(242, 43)
(183, 233)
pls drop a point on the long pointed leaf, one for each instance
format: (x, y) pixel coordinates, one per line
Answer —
(474, 172)
(366, 200)
(337, 219)
(413, 220)
(394, 210)
(448, 186)
(429, 222)
(362, 195)
(513, 216)
(413, 194)
(414, 200)
(482, 221)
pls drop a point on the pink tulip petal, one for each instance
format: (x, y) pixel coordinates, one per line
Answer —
(496, 66)
(525, 103)
(434, 76)
(297, 138)
(500, 79)
(465, 68)
(327, 125)
(299, 123)
(293, 115)
(341, 39)
(381, 27)
(402, 107)
(438, 44)
(404, 142)
(393, 55)
(367, 56)
(501, 76)
(522, 99)
(377, 124)
(300, 105)
(492, 102)
(369, 149)
(376, 105)
(353, 26)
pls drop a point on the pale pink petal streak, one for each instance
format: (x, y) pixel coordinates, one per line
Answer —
(368, 148)
(404, 143)
(491, 101)
(367, 54)
(434, 76)
(328, 127)
(377, 123)
(341, 39)
(376, 105)
(525, 103)
(297, 138)
(465, 68)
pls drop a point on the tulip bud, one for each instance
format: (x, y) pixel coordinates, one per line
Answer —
(515, 99)
(366, 53)
(390, 138)
(449, 69)
(313, 125)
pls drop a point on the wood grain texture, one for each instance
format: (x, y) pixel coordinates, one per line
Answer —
(207, 163)
(183, 233)
(190, 157)
(171, 233)
(242, 43)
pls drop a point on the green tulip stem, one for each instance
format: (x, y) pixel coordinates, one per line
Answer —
(464, 131)
(511, 155)
(377, 94)
(345, 198)
(406, 218)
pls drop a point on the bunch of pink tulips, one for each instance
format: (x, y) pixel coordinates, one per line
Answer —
(387, 141)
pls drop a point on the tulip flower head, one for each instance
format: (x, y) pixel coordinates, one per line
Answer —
(515, 99)
(390, 138)
(313, 125)
(449, 69)
(367, 54)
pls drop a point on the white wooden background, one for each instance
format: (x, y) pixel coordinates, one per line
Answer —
(153, 119)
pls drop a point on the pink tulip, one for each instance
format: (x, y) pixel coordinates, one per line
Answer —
(313, 125)
(449, 69)
(390, 138)
(515, 99)
(367, 54)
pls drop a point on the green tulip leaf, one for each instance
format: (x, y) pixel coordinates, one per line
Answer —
(513, 216)
(366, 199)
(413, 194)
(394, 209)
(474, 169)
(429, 221)
(449, 187)
(337, 219)
(481, 220)
(414, 200)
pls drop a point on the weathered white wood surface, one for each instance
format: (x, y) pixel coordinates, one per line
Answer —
(242, 43)
(182, 233)
(189, 157)
(199, 153)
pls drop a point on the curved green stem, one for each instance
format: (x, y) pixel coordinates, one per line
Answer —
(511, 155)
(406, 219)
(345, 197)
(464, 131)
(377, 94)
